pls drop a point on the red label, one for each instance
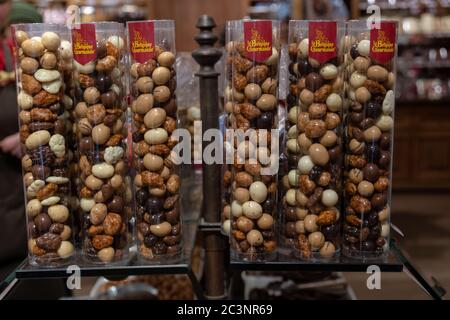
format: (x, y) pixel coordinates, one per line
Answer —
(258, 40)
(382, 42)
(322, 40)
(84, 43)
(142, 40)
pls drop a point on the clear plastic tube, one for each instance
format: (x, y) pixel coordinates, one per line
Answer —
(255, 64)
(370, 75)
(155, 117)
(104, 189)
(314, 141)
(43, 52)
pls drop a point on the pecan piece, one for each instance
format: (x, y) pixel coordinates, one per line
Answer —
(326, 218)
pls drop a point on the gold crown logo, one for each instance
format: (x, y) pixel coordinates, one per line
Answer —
(81, 46)
(322, 44)
(382, 44)
(139, 44)
(257, 43)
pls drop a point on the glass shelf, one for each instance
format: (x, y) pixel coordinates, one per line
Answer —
(389, 264)
(132, 267)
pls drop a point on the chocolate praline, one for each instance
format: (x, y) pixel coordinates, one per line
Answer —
(42, 222)
(373, 109)
(371, 172)
(150, 240)
(385, 159)
(141, 196)
(265, 120)
(157, 218)
(313, 81)
(385, 141)
(160, 248)
(103, 82)
(269, 204)
(154, 205)
(170, 107)
(40, 172)
(372, 152)
(368, 246)
(116, 204)
(289, 214)
(109, 99)
(379, 200)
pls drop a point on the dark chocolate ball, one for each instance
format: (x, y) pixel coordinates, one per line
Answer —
(289, 214)
(154, 205)
(293, 160)
(265, 120)
(137, 136)
(335, 152)
(304, 67)
(331, 232)
(109, 99)
(40, 172)
(107, 191)
(351, 230)
(356, 117)
(141, 197)
(368, 246)
(173, 216)
(171, 107)
(268, 205)
(86, 144)
(160, 248)
(150, 240)
(313, 81)
(116, 204)
(42, 222)
(375, 232)
(157, 218)
(385, 141)
(354, 51)
(379, 200)
(371, 172)
(373, 109)
(103, 82)
(372, 152)
(357, 134)
(315, 172)
(385, 159)
(291, 100)
(290, 230)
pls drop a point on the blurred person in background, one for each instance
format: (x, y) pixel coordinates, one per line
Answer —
(12, 212)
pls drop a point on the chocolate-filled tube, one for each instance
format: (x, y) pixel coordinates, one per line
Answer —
(314, 143)
(42, 53)
(255, 63)
(154, 114)
(104, 189)
(369, 124)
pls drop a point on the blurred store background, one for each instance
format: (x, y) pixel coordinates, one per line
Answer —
(422, 131)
